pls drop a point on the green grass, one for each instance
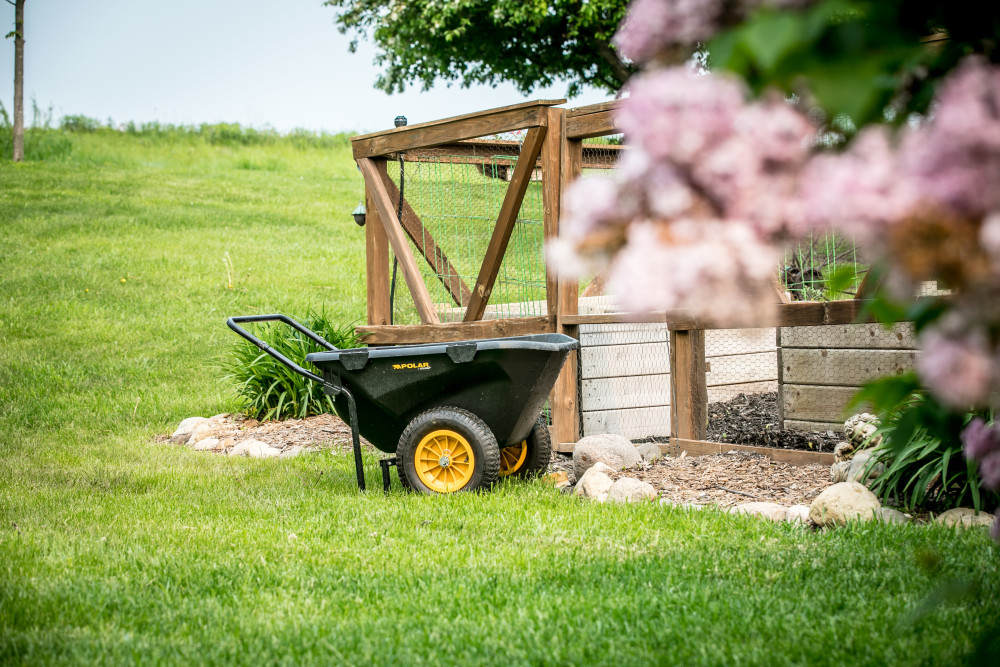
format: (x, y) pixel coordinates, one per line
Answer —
(114, 549)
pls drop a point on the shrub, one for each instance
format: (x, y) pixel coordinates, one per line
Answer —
(268, 389)
(922, 450)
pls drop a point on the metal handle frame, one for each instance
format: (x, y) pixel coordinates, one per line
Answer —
(334, 390)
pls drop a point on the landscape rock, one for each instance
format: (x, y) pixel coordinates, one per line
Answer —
(255, 449)
(797, 514)
(200, 432)
(649, 451)
(221, 417)
(889, 515)
(206, 444)
(838, 471)
(965, 517)
(594, 482)
(856, 472)
(559, 479)
(608, 448)
(843, 451)
(683, 506)
(843, 502)
(628, 490)
(771, 511)
(292, 452)
(184, 429)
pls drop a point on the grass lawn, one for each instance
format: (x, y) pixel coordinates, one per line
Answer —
(114, 549)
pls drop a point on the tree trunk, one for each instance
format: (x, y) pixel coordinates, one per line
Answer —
(18, 80)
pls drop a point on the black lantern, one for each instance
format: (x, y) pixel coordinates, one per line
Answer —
(359, 214)
(399, 121)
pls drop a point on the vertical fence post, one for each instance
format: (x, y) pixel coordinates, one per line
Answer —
(563, 399)
(376, 264)
(688, 390)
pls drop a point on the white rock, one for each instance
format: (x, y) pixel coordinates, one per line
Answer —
(843, 502)
(255, 449)
(200, 432)
(184, 429)
(889, 515)
(206, 444)
(839, 470)
(797, 514)
(292, 452)
(965, 517)
(772, 511)
(628, 490)
(218, 418)
(608, 448)
(649, 451)
(594, 482)
(855, 472)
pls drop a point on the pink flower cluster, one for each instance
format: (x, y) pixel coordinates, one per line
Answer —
(653, 25)
(981, 443)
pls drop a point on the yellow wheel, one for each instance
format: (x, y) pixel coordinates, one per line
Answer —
(447, 450)
(444, 461)
(530, 457)
(512, 458)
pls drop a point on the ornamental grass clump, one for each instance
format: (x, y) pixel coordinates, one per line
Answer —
(269, 390)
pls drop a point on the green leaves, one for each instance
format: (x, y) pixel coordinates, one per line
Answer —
(267, 388)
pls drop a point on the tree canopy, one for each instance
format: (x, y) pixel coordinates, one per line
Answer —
(525, 42)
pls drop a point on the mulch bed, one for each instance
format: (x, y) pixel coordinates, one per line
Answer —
(752, 419)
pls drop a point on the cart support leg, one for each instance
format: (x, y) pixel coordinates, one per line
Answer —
(352, 412)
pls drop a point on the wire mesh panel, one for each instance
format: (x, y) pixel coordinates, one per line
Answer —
(455, 197)
(824, 267)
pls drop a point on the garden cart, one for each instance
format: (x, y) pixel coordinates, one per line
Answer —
(457, 415)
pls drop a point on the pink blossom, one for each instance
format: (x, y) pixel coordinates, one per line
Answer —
(957, 368)
(716, 270)
(989, 238)
(860, 190)
(591, 200)
(675, 116)
(989, 471)
(980, 439)
(653, 25)
(778, 133)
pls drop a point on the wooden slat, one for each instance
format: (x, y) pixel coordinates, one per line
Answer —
(591, 125)
(857, 336)
(504, 153)
(849, 368)
(624, 360)
(625, 392)
(438, 333)
(376, 265)
(429, 249)
(394, 231)
(787, 315)
(505, 225)
(689, 393)
(628, 333)
(817, 403)
(610, 105)
(791, 456)
(456, 128)
(632, 423)
(551, 193)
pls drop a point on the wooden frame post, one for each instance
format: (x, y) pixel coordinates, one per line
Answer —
(688, 389)
(376, 265)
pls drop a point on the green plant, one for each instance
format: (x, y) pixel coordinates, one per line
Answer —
(266, 388)
(921, 449)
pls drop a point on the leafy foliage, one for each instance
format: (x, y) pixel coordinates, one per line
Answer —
(526, 43)
(266, 388)
(858, 58)
(922, 449)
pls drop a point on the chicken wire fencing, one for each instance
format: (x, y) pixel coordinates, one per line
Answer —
(453, 198)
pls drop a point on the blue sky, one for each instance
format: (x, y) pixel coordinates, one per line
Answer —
(280, 63)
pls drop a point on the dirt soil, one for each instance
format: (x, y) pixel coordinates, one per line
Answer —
(722, 479)
(753, 420)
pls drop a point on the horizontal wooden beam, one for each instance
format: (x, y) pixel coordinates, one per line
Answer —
(456, 128)
(795, 457)
(798, 314)
(592, 125)
(610, 105)
(505, 153)
(439, 333)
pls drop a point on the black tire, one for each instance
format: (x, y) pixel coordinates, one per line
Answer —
(536, 460)
(458, 425)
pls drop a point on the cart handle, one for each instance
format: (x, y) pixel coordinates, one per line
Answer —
(232, 322)
(352, 410)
